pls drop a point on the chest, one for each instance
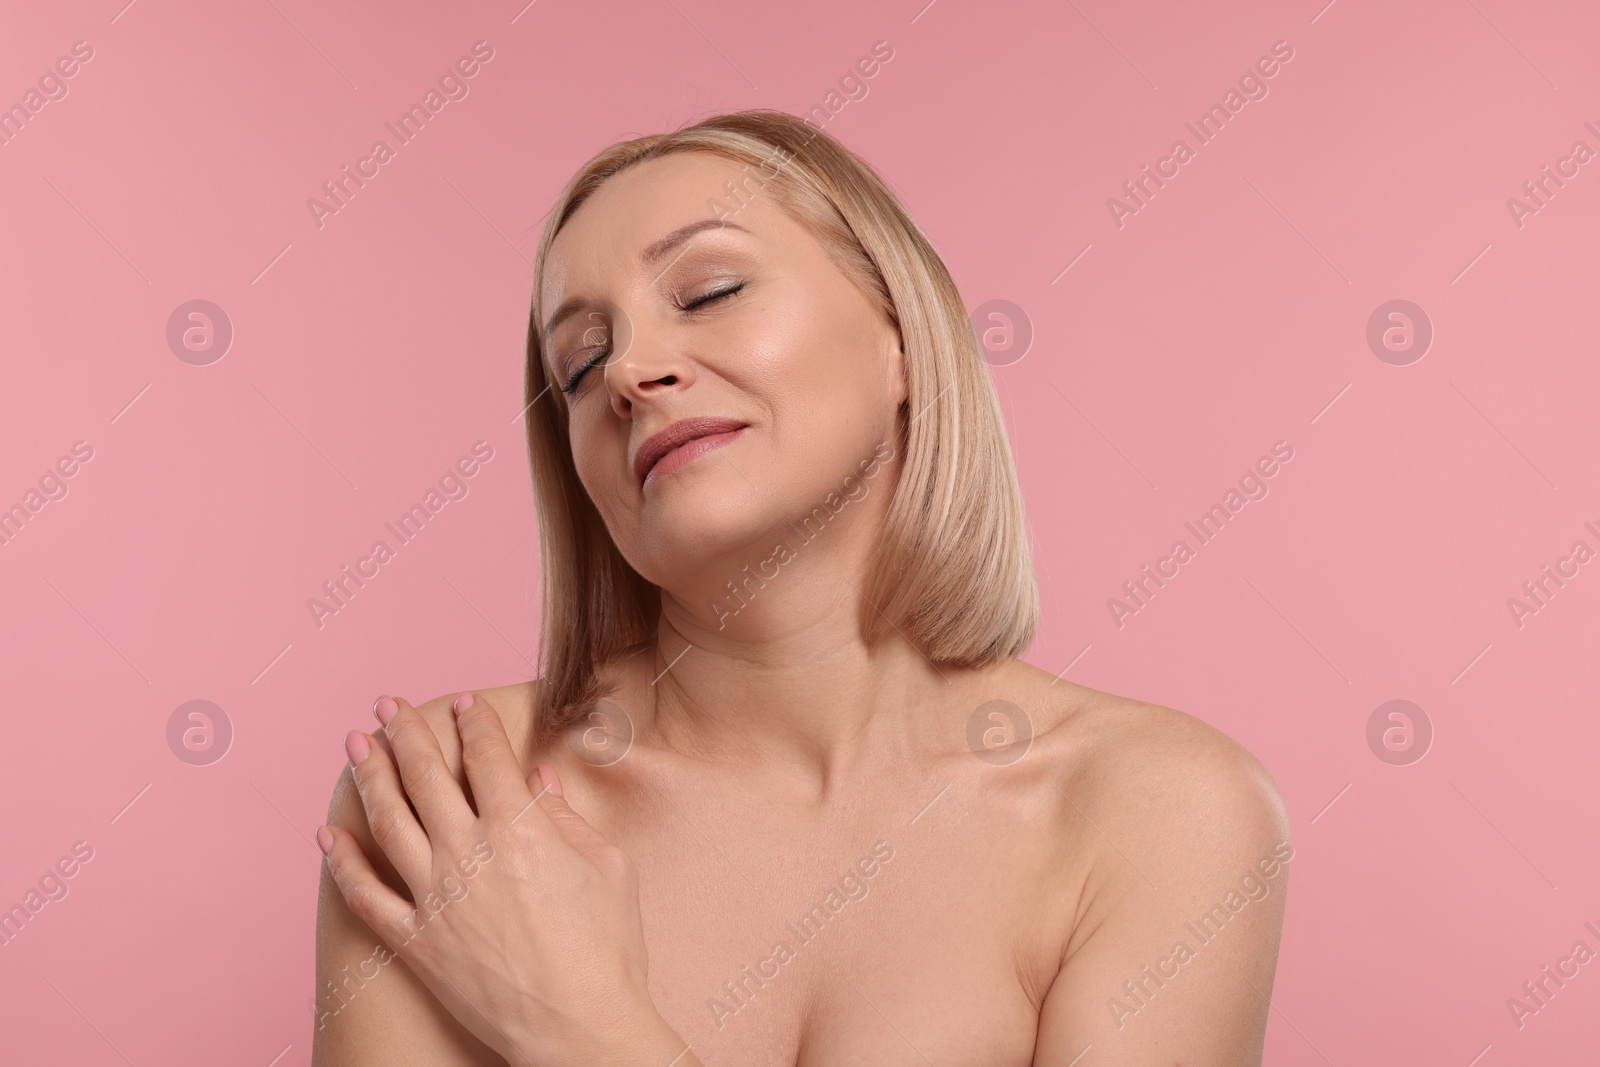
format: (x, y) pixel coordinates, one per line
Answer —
(868, 941)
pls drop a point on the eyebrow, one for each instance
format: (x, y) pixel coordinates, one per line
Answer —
(649, 257)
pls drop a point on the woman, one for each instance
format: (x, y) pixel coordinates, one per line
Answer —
(784, 793)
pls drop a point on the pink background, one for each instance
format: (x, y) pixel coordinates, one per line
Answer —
(1228, 314)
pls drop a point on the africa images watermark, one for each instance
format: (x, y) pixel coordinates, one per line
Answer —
(739, 195)
(452, 486)
(52, 86)
(853, 84)
(1538, 191)
(52, 486)
(349, 984)
(811, 526)
(1537, 993)
(1211, 123)
(852, 887)
(52, 887)
(453, 85)
(1252, 486)
(1538, 590)
(1138, 992)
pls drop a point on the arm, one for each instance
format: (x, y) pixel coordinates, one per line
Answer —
(1181, 970)
(528, 939)
(370, 1012)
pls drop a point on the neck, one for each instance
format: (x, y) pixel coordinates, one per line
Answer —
(809, 709)
(787, 684)
(760, 660)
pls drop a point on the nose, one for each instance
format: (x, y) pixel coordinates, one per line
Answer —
(649, 368)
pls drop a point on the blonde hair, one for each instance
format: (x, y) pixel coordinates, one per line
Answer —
(953, 571)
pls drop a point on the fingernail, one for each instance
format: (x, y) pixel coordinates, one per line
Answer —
(463, 702)
(356, 746)
(324, 840)
(385, 709)
(547, 774)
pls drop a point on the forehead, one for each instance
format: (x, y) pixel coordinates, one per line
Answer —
(635, 208)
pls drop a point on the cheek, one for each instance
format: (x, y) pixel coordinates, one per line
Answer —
(585, 446)
(826, 410)
(809, 355)
(600, 457)
(835, 389)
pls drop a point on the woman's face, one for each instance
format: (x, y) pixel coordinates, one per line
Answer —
(749, 322)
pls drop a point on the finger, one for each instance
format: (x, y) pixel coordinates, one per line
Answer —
(491, 765)
(365, 894)
(394, 825)
(380, 741)
(574, 828)
(426, 777)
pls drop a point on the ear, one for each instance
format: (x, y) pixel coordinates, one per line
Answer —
(894, 363)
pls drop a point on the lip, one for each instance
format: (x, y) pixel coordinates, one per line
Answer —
(681, 433)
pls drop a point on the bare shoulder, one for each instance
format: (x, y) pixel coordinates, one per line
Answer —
(1183, 845)
(370, 1008)
(514, 702)
(1167, 775)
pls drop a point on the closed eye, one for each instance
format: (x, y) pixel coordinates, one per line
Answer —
(571, 385)
(709, 297)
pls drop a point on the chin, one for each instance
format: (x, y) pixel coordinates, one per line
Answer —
(706, 524)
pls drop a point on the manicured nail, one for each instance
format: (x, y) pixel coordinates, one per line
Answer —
(324, 840)
(547, 775)
(356, 746)
(463, 702)
(385, 709)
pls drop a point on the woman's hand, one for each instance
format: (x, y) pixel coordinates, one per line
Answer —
(526, 924)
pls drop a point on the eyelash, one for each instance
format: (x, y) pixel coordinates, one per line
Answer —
(572, 383)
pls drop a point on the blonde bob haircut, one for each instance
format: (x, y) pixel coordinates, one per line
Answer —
(953, 572)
